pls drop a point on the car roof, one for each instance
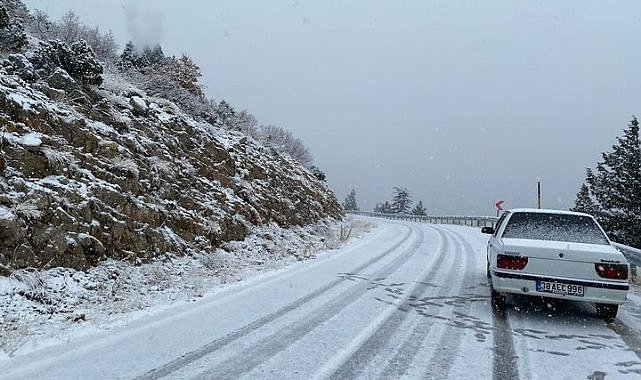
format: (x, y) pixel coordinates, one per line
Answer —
(548, 211)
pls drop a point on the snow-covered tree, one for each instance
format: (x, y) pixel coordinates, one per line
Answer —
(84, 65)
(128, 58)
(246, 123)
(225, 115)
(153, 55)
(186, 74)
(12, 35)
(386, 208)
(419, 209)
(350, 202)
(70, 29)
(316, 172)
(78, 60)
(383, 207)
(284, 141)
(584, 202)
(616, 186)
(402, 200)
(39, 23)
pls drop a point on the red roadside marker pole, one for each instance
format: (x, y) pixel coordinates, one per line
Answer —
(499, 206)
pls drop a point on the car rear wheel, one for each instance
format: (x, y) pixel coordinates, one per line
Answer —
(497, 299)
(607, 312)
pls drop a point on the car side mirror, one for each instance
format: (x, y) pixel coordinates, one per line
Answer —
(487, 230)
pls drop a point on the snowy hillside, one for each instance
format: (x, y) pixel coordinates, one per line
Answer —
(89, 172)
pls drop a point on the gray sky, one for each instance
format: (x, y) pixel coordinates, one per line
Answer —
(462, 102)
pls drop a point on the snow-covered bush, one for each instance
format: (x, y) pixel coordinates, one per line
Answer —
(126, 165)
(56, 159)
(12, 34)
(160, 166)
(78, 60)
(316, 172)
(27, 210)
(162, 86)
(18, 64)
(246, 123)
(285, 142)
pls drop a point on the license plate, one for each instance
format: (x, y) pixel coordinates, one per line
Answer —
(559, 288)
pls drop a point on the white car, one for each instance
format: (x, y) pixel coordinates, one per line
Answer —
(558, 254)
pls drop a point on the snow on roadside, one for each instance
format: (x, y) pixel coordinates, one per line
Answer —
(50, 306)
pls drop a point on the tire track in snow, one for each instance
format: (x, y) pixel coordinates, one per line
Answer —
(378, 341)
(268, 347)
(504, 359)
(217, 344)
(450, 342)
(629, 336)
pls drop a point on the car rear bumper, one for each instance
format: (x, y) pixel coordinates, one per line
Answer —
(596, 292)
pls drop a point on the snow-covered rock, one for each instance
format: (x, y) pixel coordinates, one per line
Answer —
(139, 105)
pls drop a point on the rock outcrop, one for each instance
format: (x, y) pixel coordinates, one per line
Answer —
(87, 174)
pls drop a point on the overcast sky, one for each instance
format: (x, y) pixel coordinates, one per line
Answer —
(462, 102)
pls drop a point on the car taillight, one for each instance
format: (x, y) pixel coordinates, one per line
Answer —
(511, 262)
(616, 271)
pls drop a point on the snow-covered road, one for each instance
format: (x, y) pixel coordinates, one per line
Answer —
(408, 300)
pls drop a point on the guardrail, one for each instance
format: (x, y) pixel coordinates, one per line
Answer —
(472, 221)
(633, 255)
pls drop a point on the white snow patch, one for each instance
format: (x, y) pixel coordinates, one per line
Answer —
(31, 140)
(6, 214)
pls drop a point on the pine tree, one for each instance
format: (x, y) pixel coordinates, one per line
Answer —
(350, 202)
(226, 115)
(386, 208)
(129, 57)
(616, 187)
(419, 209)
(402, 201)
(154, 55)
(584, 202)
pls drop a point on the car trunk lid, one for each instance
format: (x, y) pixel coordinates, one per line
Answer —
(563, 259)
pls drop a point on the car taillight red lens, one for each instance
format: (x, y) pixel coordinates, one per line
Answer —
(511, 262)
(616, 271)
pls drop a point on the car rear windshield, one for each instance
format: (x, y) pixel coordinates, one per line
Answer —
(558, 227)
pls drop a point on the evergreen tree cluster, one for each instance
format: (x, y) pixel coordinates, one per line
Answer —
(401, 203)
(419, 209)
(612, 193)
(350, 202)
(162, 75)
(383, 208)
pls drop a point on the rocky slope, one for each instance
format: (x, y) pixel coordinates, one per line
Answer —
(109, 172)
